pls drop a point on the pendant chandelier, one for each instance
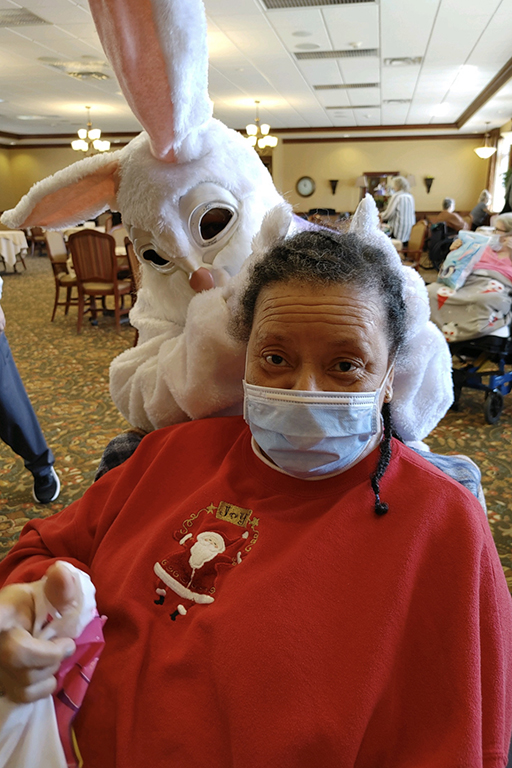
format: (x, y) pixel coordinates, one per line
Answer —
(258, 135)
(89, 139)
(485, 151)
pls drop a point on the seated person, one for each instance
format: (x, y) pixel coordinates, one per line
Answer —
(400, 211)
(482, 306)
(481, 214)
(454, 222)
(295, 587)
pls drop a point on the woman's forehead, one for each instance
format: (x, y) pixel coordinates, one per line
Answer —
(331, 308)
(316, 298)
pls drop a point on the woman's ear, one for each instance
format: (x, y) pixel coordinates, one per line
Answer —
(388, 389)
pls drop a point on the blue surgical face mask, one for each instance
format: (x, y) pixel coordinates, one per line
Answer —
(309, 434)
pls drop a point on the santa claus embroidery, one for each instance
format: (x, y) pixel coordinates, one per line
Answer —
(191, 571)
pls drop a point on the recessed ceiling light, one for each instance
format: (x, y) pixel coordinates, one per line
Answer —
(355, 45)
(307, 46)
(31, 117)
(302, 33)
(346, 135)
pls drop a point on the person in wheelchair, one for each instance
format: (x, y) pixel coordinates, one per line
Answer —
(482, 306)
(444, 229)
(454, 221)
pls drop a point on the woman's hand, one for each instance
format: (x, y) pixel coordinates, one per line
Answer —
(27, 664)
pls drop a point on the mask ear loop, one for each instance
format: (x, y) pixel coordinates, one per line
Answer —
(381, 507)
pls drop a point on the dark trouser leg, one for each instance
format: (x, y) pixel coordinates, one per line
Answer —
(19, 427)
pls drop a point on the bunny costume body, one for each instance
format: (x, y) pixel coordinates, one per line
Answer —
(193, 194)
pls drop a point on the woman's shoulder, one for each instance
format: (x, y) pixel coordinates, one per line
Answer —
(440, 488)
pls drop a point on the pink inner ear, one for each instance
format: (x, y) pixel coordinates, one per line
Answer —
(128, 35)
(80, 199)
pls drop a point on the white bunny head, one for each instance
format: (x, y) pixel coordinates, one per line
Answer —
(192, 193)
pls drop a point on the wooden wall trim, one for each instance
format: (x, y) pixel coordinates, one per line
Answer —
(488, 92)
(339, 139)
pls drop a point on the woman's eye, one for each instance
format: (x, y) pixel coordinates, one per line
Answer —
(275, 359)
(344, 366)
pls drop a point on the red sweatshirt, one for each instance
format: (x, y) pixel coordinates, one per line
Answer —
(256, 620)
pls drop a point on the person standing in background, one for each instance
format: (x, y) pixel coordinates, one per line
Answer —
(481, 213)
(400, 212)
(19, 427)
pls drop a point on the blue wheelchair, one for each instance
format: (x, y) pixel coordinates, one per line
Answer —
(483, 366)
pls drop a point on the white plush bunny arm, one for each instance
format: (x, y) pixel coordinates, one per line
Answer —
(175, 373)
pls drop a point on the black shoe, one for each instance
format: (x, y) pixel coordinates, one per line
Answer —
(46, 487)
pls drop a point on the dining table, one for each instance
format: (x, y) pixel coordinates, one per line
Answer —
(12, 242)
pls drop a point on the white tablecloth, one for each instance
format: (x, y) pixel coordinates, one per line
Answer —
(12, 243)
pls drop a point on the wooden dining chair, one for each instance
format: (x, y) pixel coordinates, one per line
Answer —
(416, 243)
(37, 240)
(58, 255)
(95, 264)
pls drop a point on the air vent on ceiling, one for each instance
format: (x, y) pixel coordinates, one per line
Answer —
(271, 4)
(88, 68)
(403, 61)
(346, 87)
(352, 54)
(84, 75)
(19, 17)
(396, 101)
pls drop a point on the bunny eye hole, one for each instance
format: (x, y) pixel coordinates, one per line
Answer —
(155, 258)
(213, 222)
(160, 263)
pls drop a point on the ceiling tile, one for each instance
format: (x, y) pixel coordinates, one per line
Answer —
(353, 24)
(363, 70)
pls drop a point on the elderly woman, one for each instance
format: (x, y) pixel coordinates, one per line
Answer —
(482, 306)
(480, 214)
(294, 589)
(400, 211)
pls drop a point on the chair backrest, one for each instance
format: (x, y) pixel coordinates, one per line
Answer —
(55, 246)
(37, 232)
(417, 236)
(94, 256)
(135, 265)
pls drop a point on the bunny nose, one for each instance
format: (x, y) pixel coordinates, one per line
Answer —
(201, 280)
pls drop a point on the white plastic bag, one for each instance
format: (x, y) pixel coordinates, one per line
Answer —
(29, 733)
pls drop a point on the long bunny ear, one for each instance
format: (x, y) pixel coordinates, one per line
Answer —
(158, 50)
(81, 191)
(423, 389)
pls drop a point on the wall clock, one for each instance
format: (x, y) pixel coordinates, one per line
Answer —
(305, 186)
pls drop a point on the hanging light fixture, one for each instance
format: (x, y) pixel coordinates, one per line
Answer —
(89, 139)
(485, 151)
(258, 135)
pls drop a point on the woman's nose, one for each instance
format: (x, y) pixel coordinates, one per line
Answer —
(307, 380)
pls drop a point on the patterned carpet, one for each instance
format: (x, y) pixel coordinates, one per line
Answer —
(66, 377)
